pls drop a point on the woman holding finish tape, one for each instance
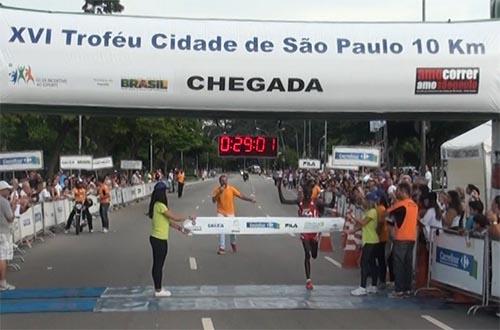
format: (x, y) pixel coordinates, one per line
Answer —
(162, 217)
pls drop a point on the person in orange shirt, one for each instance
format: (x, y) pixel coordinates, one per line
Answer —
(180, 183)
(80, 197)
(224, 196)
(404, 214)
(105, 200)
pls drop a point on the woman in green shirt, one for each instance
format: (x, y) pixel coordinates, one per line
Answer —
(161, 218)
(370, 240)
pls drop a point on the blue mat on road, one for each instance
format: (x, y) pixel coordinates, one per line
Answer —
(205, 297)
(52, 293)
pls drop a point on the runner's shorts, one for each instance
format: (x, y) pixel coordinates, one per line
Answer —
(6, 247)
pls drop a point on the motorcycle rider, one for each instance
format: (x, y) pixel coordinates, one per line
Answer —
(80, 197)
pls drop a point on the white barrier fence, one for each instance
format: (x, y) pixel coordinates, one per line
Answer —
(42, 217)
(462, 263)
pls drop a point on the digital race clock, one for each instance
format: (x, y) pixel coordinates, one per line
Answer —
(248, 146)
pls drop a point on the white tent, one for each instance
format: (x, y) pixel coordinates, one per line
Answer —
(468, 158)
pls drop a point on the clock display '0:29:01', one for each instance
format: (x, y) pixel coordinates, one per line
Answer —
(248, 146)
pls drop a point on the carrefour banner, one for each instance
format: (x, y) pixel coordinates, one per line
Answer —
(250, 66)
(356, 156)
(495, 269)
(458, 261)
(263, 225)
(21, 161)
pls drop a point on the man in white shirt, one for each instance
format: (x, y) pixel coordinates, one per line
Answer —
(6, 244)
(428, 177)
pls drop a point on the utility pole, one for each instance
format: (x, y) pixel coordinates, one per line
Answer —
(326, 143)
(151, 153)
(423, 126)
(310, 150)
(79, 134)
(304, 142)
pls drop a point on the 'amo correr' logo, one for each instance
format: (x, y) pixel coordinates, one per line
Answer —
(21, 73)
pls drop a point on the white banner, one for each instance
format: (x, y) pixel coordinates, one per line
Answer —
(101, 163)
(458, 262)
(263, 225)
(131, 164)
(356, 156)
(495, 267)
(38, 217)
(237, 65)
(83, 162)
(20, 161)
(49, 214)
(310, 164)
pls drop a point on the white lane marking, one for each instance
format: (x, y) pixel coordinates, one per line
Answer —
(192, 263)
(207, 323)
(197, 207)
(291, 234)
(333, 261)
(437, 323)
(203, 201)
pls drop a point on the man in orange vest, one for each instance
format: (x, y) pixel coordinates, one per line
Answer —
(180, 183)
(403, 216)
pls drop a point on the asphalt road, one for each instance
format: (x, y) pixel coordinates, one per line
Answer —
(223, 292)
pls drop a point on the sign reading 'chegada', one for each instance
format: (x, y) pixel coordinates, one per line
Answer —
(219, 65)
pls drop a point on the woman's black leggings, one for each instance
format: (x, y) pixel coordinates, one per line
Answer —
(368, 264)
(310, 250)
(160, 250)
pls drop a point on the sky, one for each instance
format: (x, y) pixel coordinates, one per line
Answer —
(309, 10)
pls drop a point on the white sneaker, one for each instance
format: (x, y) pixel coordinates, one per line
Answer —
(105, 230)
(163, 293)
(91, 231)
(359, 292)
(66, 231)
(7, 287)
(371, 289)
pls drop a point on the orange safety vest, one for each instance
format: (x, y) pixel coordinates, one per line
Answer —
(408, 230)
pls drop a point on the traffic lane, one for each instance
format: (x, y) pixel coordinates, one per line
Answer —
(120, 258)
(255, 319)
(264, 259)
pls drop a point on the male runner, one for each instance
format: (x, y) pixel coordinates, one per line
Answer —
(224, 197)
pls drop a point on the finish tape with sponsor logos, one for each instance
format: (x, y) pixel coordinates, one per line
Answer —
(263, 225)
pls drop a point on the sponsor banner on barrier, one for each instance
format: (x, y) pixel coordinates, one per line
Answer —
(131, 164)
(82, 162)
(233, 66)
(26, 223)
(356, 156)
(495, 267)
(458, 262)
(313, 164)
(49, 214)
(102, 163)
(263, 225)
(38, 217)
(21, 161)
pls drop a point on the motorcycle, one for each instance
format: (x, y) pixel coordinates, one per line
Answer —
(77, 221)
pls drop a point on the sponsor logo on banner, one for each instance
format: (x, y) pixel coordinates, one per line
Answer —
(23, 75)
(272, 225)
(458, 260)
(447, 81)
(313, 225)
(38, 217)
(254, 84)
(215, 225)
(26, 222)
(144, 84)
(20, 73)
(291, 225)
(103, 82)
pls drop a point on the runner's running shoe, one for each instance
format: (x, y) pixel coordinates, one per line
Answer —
(163, 293)
(309, 284)
(221, 251)
(359, 292)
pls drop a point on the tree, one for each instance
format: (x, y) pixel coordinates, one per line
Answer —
(102, 7)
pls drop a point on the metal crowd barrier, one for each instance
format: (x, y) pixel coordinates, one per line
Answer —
(461, 263)
(43, 219)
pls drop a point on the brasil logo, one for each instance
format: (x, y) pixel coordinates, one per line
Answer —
(21, 73)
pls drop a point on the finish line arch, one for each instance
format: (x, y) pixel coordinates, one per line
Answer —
(125, 65)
